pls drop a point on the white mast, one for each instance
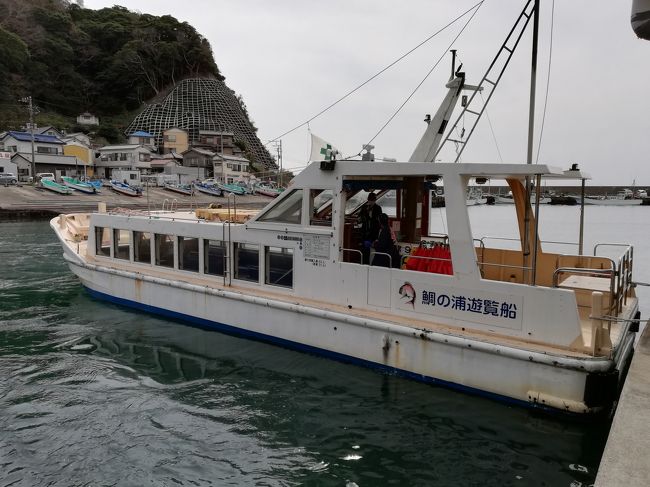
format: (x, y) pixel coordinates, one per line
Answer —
(430, 141)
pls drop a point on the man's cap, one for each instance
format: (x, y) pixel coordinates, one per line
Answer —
(372, 197)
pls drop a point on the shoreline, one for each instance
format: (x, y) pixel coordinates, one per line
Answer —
(24, 202)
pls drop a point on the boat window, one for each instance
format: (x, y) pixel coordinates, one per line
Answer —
(142, 247)
(388, 203)
(287, 210)
(278, 266)
(214, 253)
(164, 250)
(355, 201)
(247, 267)
(320, 207)
(188, 254)
(121, 244)
(103, 241)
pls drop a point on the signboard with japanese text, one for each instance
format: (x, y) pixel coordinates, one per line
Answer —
(316, 246)
(501, 310)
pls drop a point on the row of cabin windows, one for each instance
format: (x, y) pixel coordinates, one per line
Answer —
(278, 261)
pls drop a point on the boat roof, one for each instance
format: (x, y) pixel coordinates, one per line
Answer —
(443, 169)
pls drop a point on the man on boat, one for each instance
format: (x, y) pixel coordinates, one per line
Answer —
(370, 225)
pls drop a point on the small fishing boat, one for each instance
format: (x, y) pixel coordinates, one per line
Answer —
(267, 190)
(186, 189)
(79, 185)
(126, 189)
(231, 188)
(210, 189)
(96, 183)
(52, 185)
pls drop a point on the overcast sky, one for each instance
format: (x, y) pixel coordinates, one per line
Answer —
(290, 59)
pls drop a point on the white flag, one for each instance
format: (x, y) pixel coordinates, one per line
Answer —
(322, 150)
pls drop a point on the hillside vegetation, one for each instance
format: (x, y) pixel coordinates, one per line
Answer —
(108, 61)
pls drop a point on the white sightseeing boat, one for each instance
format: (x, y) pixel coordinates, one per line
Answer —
(543, 329)
(526, 325)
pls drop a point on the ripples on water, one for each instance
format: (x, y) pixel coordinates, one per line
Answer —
(154, 402)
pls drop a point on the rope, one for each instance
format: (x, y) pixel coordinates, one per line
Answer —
(477, 7)
(548, 81)
(378, 73)
(494, 137)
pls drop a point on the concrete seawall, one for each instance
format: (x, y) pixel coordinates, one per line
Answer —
(626, 460)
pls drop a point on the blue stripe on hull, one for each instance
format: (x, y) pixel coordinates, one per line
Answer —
(233, 330)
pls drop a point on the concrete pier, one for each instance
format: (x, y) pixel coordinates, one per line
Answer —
(626, 460)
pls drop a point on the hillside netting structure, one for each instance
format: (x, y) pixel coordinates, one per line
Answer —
(202, 104)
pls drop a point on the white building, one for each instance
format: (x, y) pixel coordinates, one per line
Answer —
(87, 119)
(229, 169)
(121, 157)
(6, 165)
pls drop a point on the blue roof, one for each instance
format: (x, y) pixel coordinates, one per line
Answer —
(140, 133)
(27, 137)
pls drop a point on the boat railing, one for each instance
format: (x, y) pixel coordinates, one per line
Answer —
(614, 305)
(374, 254)
(623, 272)
(354, 251)
(510, 239)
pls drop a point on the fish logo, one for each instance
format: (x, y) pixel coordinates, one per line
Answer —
(407, 294)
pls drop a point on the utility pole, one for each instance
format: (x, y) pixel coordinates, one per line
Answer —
(28, 100)
(278, 147)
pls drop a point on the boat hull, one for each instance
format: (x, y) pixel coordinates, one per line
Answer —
(88, 189)
(212, 191)
(125, 190)
(613, 202)
(511, 375)
(186, 192)
(56, 187)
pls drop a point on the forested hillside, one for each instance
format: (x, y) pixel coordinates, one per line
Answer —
(108, 61)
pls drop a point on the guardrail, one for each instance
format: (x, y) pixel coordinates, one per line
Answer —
(623, 272)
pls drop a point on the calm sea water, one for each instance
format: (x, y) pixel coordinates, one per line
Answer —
(155, 402)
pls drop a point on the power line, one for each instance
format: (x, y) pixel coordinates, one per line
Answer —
(378, 73)
(477, 7)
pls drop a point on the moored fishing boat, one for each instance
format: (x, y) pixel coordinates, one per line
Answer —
(186, 189)
(55, 187)
(267, 190)
(125, 188)
(79, 185)
(210, 189)
(231, 188)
